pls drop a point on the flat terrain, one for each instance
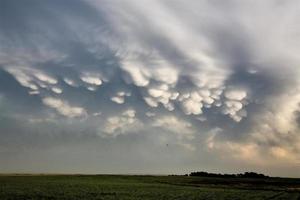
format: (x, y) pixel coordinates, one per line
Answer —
(145, 187)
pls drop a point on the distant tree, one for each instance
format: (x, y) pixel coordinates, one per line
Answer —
(252, 175)
(245, 175)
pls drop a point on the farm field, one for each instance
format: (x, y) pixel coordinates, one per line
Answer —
(145, 187)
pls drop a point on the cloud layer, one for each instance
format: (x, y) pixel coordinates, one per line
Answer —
(205, 78)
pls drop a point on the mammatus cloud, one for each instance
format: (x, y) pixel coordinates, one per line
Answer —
(57, 90)
(119, 98)
(213, 78)
(93, 80)
(125, 123)
(64, 108)
(235, 101)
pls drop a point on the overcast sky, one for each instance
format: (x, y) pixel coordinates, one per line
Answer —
(150, 86)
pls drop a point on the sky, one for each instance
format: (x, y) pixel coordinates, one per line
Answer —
(150, 86)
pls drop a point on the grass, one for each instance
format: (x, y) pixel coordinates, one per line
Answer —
(145, 188)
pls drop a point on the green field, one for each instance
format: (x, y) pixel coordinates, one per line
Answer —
(144, 187)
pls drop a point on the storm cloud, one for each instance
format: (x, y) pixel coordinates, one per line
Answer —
(153, 86)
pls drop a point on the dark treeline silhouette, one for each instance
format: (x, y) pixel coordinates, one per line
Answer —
(244, 175)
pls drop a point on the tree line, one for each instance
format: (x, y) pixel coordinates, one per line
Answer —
(242, 175)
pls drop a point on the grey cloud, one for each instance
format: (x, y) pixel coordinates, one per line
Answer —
(195, 67)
